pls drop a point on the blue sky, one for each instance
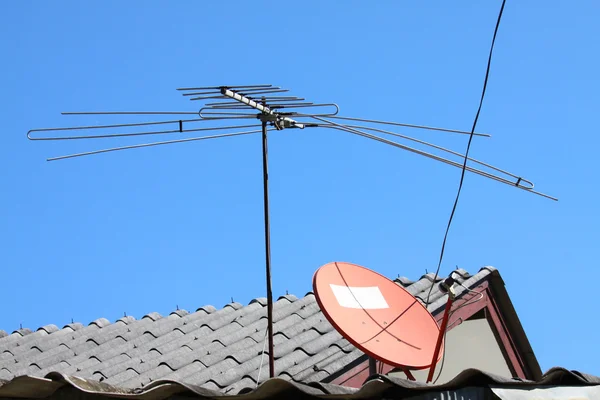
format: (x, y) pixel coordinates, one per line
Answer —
(181, 225)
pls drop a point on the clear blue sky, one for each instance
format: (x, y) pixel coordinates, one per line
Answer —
(147, 230)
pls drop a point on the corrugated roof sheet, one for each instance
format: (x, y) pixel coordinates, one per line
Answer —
(219, 350)
(376, 387)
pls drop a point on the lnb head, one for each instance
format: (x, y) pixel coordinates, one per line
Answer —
(446, 284)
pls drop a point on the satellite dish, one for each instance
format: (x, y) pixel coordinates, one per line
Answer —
(377, 315)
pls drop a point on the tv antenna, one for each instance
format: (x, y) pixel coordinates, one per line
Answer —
(236, 104)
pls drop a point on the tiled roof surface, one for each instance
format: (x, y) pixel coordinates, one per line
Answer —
(215, 349)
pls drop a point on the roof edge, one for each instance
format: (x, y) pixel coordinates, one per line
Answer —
(510, 316)
(376, 387)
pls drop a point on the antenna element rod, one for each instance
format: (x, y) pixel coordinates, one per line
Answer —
(374, 121)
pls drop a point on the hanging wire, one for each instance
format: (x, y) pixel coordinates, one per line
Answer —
(464, 168)
(262, 356)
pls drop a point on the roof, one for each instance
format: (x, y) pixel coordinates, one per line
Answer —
(221, 350)
(472, 382)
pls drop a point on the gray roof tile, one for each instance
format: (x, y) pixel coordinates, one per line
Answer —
(75, 326)
(338, 360)
(211, 386)
(5, 374)
(154, 316)
(208, 309)
(147, 375)
(179, 313)
(403, 281)
(288, 346)
(23, 331)
(322, 342)
(124, 376)
(126, 320)
(100, 322)
(49, 328)
(235, 387)
(219, 349)
(206, 374)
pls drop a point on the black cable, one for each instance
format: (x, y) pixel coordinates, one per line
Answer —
(462, 176)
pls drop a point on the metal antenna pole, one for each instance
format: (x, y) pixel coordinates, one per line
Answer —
(268, 248)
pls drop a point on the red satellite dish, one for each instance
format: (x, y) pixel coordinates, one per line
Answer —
(376, 315)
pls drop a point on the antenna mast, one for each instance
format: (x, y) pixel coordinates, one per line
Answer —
(265, 159)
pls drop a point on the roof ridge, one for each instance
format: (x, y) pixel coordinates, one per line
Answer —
(102, 322)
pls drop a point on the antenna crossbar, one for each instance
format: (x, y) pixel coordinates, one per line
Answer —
(268, 115)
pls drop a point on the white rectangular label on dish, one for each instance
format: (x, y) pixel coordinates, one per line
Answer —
(367, 297)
